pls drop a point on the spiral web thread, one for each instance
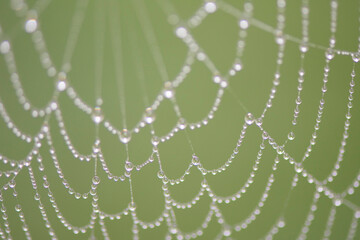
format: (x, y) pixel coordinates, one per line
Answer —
(182, 31)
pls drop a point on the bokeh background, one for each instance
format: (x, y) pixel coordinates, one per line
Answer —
(248, 91)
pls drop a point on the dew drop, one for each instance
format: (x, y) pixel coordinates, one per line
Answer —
(330, 53)
(227, 231)
(356, 57)
(125, 136)
(149, 115)
(201, 56)
(173, 19)
(280, 150)
(224, 83)
(173, 230)
(155, 140)
(18, 207)
(279, 38)
(281, 224)
(195, 160)
(298, 167)
(168, 91)
(259, 121)
(237, 66)
(182, 123)
(161, 174)
(12, 183)
(265, 135)
(291, 136)
(61, 84)
(181, 32)
(217, 79)
(99, 101)
(302, 73)
(204, 184)
(210, 7)
(132, 206)
(337, 202)
(304, 47)
(97, 115)
(243, 24)
(249, 118)
(96, 148)
(96, 180)
(4, 47)
(129, 166)
(31, 25)
(37, 197)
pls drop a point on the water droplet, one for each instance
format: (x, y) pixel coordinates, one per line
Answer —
(195, 160)
(243, 24)
(96, 180)
(204, 184)
(97, 115)
(217, 79)
(249, 118)
(37, 197)
(210, 7)
(201, 56)
(304, 47)
(125, 136)
(4, 47)
(12, 183)
(129, 166)
(168, 91)
(181, 32)
(173, 230)
(259, 121)
(298, 167)
(227, 231)
(324, 89)
(224, 83)
(337, 202)
(281, 224)
(356, 57)
(302, 73)
(31, 25)
(173, 19)
(96, 147)
(149, 115)
(291, 136)
(280, 150)
(161, 174)
(155, 140)
(46, 184)
(132, 206)
(62, 81)
(182, 123)
(330, 53)
(265, 135)
(99, 101)
(279, 38)
(18, 207)
(238, 66)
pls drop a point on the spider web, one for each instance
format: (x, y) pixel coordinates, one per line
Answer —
(100, 170)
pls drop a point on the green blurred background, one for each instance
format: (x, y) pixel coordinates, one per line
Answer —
(213, 144)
